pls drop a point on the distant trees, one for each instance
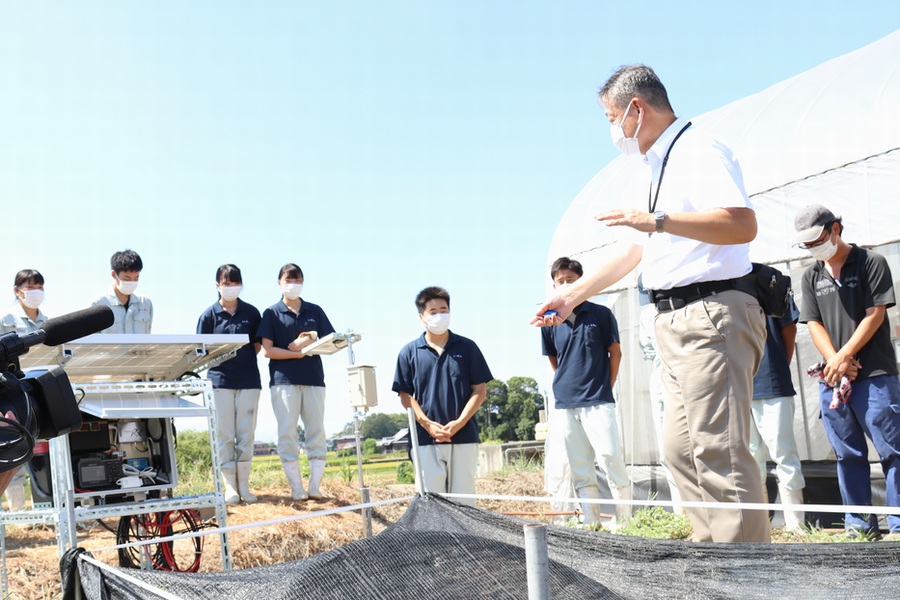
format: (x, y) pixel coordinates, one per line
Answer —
(509, 413)
(510, 410)
(380, 425)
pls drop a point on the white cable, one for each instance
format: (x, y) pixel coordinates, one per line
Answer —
(131, 470)
(219, 530)
(128, 578)
(829, 508)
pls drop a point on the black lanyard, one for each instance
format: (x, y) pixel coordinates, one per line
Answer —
(651, 199)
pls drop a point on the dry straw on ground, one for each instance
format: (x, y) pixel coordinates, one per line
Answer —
(33, 566)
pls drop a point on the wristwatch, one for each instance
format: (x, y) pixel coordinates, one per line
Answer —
(660, 217)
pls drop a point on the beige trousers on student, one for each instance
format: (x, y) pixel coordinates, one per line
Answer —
(450, 468)
(710, 351)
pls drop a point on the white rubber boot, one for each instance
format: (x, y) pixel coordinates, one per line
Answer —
(316, 471)
(592, 512)
(295, 480)
(794, 519)
(623, 511)
(231, 493)
(15, 496)
(243, 482)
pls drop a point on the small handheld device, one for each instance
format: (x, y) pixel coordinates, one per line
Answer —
(99, 472)
(550, 313)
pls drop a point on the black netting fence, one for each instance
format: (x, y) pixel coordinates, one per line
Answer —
(442, 550)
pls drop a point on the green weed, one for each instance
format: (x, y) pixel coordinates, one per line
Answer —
(658, 523)
(405, 472)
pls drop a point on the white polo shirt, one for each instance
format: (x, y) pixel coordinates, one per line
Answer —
(137, 318)
(701, 175)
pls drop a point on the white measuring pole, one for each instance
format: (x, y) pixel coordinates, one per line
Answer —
(537, 564)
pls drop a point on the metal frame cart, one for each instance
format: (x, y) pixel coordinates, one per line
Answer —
(129, 387)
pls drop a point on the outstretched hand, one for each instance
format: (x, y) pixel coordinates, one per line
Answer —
(636, 219)
(553, 312)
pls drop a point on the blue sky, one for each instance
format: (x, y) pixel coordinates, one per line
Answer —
(382, 146)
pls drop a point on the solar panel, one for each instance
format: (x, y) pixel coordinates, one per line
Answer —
(135, 357)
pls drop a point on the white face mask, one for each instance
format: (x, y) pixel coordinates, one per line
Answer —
(291, 291)
(823, 251)
(33, 298)
(562, 287)
(437, 323)
(230, 292)
(126, 287)
(627, 146)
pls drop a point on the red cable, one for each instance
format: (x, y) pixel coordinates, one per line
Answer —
(168, 548)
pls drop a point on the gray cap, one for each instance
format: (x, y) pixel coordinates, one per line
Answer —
(810, 222)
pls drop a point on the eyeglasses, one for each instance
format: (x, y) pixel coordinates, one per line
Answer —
(821, 239)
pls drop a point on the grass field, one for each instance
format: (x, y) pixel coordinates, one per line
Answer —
(377, 468)
(195, 467)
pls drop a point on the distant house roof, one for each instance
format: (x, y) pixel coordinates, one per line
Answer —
(400, 436)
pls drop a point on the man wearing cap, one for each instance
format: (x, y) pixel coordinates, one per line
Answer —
(846, 294)
(692, 239)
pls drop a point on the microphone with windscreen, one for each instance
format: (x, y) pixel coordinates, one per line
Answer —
(54, 332)
(41, 401)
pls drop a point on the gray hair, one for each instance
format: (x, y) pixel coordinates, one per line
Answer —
(635, 81)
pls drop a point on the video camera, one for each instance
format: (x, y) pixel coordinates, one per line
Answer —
(41, 401)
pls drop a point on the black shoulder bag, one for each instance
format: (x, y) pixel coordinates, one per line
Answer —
(768, 285)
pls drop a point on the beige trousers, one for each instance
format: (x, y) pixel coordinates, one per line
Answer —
(710, 350)
(450, 468)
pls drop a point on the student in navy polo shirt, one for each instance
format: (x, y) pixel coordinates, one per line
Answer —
(297, 381)
(772, 412)
(236, 383)
(443, 377)
(585, 355)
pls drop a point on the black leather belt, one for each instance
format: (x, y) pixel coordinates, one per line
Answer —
(679, 297)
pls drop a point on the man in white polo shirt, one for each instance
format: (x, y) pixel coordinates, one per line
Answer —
(692, 242)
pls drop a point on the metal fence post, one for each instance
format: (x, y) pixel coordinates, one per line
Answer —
(537, 564)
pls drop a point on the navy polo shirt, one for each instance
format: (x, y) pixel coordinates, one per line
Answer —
(773, 379)
(865, 282)
(281, 325)
(582, 352)
(240, 372)
(442, 384)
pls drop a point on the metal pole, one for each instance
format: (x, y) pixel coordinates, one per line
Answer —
(414, 445)
(63, 493)
(363, 490)
(212, 424)
(537, 564)
(367, 512)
